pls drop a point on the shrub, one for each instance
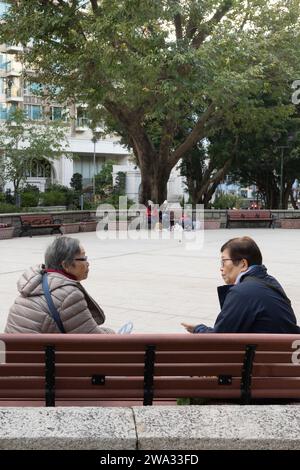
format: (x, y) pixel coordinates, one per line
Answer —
(58, 195)
(53, 198)
(227, 201)
(76, 182)
(30, 196)
(7, 208)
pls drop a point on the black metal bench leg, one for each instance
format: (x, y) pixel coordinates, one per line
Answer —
(50, 376)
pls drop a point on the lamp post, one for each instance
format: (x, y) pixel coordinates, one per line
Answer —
(94, 140)
(290, 139)
(281, 176)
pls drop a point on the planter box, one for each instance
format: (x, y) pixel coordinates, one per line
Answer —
(88, 226)
(212, 224)
(290, 223)
(70, 228)
(6, 232)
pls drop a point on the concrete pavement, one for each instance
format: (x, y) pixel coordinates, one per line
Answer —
(155, 283)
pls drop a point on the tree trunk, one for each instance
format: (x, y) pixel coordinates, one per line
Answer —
(272, 197)
(154, 183)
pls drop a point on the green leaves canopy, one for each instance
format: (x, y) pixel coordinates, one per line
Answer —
(146, 67)
(22, 141)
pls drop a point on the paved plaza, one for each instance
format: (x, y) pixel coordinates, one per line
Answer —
(155, 283)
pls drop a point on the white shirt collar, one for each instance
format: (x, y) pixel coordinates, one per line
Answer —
(242, 274)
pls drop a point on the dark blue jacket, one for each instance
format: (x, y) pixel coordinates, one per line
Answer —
(252, 307)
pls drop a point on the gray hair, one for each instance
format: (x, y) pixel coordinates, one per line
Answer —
(63, 249)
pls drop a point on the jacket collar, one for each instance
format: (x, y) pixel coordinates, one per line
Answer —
(61, 271)
(257, 270)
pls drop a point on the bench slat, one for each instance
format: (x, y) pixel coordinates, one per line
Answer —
(83, 370)
(138, 342)
(112, 357)
(276, 370)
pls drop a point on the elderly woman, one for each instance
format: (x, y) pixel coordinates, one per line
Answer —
(52, 300)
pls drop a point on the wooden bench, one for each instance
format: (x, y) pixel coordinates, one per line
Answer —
(30, 222)
(249, 216)
(114, 370)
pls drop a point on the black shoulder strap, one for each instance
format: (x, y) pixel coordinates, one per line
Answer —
(267, 284)
(52, 310)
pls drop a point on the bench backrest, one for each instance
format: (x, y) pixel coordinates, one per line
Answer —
(249, 214)
(264, 214)
(235, 214)
(80, 369)
(36, 219)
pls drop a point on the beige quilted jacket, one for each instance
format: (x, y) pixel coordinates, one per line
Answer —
(79, 313)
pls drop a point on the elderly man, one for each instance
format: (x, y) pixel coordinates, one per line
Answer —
(252, 301)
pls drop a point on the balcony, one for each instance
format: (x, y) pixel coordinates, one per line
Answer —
(11, 70)
(13, 95)
(14, 48)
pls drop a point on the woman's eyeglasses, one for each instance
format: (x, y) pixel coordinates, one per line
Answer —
(222, 261)
(83, 258)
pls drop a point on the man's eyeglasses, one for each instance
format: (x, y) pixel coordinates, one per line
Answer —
(83, 258)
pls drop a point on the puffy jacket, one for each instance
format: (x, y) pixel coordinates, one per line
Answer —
(253, 307)
(79, 313)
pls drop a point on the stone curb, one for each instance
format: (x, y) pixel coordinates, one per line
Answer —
(204, 427)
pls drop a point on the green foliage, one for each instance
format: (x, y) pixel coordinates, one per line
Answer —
(120, 184)
(6, 208)
(76, 182)
(192, 401)
(53, 198)
(148, 69)
(29, 196)
(59, 195)
(21, 142)
(104, 179)
(227, 201)
(113, 199)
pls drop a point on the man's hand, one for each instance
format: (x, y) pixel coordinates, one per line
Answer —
(188, 327)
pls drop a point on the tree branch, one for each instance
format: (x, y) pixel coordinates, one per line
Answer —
(130, 120)
(209, 25)
(178, 26)
(215, 180)
(167, 133)
(193, 137)
(191, 29)
(94, 4)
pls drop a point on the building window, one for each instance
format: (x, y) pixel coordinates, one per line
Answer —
(2, 87)
(3, 112)
(57, 113)
(32, 88)
(38, 169)
(82, 119)
(33, 112)
(3, 62)
(3, 8)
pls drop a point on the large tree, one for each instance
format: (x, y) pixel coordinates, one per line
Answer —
(145, 67)
(271, 162)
